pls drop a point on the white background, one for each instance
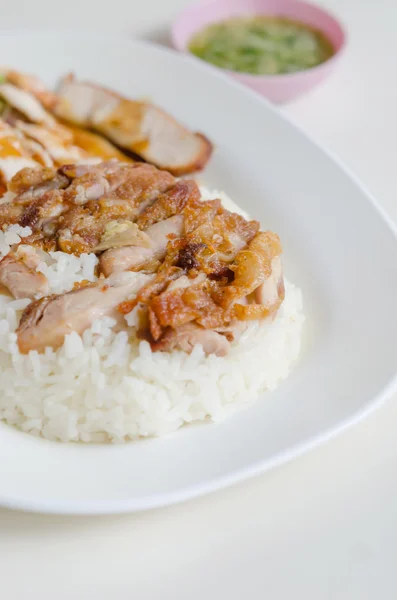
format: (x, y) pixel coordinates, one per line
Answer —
(323, 527)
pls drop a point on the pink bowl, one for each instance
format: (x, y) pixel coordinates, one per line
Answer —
(278, 88)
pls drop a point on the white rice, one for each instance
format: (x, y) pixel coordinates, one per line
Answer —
(64, 270)
(12, 235)
(107, 386)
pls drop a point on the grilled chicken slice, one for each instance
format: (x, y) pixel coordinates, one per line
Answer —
(45, 322)
(47, 145)
(92, 185)
(14, 154)
(170, 203)
(30, 184)
(96, 145)
(134, 257)
(188, 336)
(267, 298)
(138, 183)
(71, 207)
(109, 192)
(31, 84)
(37, 199)
(20, 279)
(139, 127)
(26, 104)
(218, 237)
(252, 267)
(226, 233)
(181, 305)
(179, 310)
(56, 140)
(272, 289)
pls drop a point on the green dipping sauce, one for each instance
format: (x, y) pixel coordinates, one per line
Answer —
(261, 45)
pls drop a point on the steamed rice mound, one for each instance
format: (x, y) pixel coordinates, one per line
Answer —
(108, 386)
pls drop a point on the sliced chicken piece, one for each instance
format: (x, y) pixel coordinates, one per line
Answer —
(198, 212)
(115, 209)
(227, 233)
(31, 84)
(138, 182)
(139, 127)
(215, 242)
(13, 153)
(129, 185)
(95, 145)
(170, 316)
(172, 300)
(176, 307)
(134, 257)
(79, 230)
(45, 322)
(37, 199)
(44, 211)
(86, 198)
(79, 169)
(9, 213)
(188, 336)
(39, 214)
(20, 279)
(251, 267)
(35, 150)
(56, 140)
(38, 153)
(36, 182)
(129, 188)
(90, 186)
(82, 227)
(268, 297)
(170, 203)
(25, 103)
(272, 288)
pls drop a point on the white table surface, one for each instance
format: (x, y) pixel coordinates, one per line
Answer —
(322, 527)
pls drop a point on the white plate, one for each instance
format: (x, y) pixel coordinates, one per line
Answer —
(337, 246)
